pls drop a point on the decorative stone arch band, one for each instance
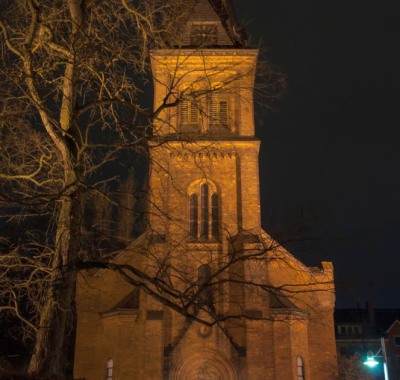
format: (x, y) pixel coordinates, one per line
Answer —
(204, 364)
(195, 185)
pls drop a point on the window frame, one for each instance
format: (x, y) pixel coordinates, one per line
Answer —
(215, 114)
(189, 111)
(203, 33)
(300, 368)
(207, 209)
(109, 369)
(193, 215)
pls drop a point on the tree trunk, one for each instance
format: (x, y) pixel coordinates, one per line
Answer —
(55, 341)
(54, 346)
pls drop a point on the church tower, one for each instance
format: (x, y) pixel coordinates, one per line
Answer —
(225, 301)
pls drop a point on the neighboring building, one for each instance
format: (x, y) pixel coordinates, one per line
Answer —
(393, 348)
(275, 314)
(359, 331)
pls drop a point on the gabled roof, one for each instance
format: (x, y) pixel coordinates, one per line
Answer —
(278, 301)
(128, 305)
(393, 325)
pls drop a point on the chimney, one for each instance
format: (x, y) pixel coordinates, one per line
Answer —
(371, 312)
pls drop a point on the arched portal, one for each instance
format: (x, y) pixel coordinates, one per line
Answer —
(204, 364)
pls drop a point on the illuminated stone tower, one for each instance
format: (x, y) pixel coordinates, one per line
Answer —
(275, 315)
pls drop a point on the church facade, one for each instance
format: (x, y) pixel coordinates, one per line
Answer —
(205, 293)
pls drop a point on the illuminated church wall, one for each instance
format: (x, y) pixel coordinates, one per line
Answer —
(204, 208)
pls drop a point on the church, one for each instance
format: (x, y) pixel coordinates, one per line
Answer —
(204, 292)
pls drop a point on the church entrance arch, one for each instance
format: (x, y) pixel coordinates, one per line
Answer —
(204, 364)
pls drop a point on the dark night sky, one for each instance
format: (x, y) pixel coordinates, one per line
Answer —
(330, 148)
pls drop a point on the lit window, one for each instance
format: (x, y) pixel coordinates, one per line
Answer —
(109, 369)
(204, 217)
(300, 368)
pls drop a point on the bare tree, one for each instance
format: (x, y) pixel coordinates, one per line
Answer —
(352, 368)
(126, 219)
(72, 75)
(72, 71)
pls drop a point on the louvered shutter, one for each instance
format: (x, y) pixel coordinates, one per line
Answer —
(218, 111)
(189, 112)
(223, 112)
(194, 113)
(214, 111)
(184, 112)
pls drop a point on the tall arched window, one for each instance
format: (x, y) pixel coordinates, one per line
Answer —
(204, 216)
(204, 276)
(193, 215)
(204, 211)
(109, 369)
(214, 215)
(300, 368)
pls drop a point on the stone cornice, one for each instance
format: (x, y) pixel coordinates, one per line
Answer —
(203, 144)
(280, 314)
(204, 52)
(217, 155)
(120, 312)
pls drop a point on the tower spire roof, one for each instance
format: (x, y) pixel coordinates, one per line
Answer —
(226, 13)
(212, 23)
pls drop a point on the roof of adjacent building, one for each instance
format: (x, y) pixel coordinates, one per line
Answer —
(376, 321)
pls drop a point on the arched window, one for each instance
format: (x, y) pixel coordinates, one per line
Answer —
(204, 276)
(204, 211)
(109, 369)
(204, 216)
(193, 215)
(300, 368)
(214, 216)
